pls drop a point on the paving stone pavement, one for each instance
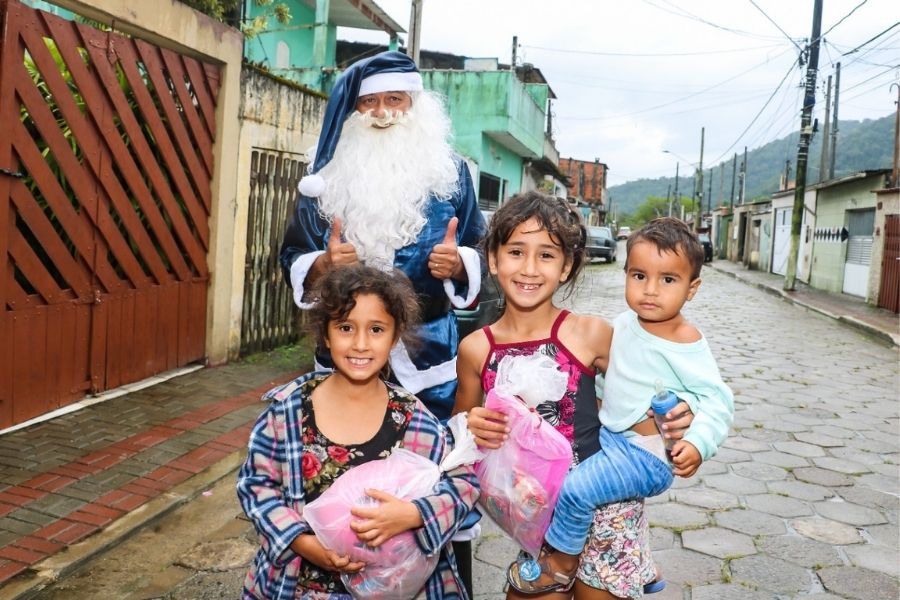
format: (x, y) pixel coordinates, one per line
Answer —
(801, 502)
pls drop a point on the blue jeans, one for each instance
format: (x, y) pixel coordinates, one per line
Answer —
(619, 471)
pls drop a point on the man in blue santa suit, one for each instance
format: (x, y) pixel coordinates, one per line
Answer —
(385, 188)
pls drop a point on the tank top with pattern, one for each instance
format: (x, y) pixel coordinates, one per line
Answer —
(575, 415)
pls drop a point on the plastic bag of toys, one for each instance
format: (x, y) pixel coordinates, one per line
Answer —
(521, 480)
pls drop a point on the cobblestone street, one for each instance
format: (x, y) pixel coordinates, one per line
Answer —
(803, 499)
(802, 502)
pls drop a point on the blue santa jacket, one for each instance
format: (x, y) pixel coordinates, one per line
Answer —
(308, 232)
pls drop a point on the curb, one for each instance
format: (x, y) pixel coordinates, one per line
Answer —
(871, 330)
(60, 565)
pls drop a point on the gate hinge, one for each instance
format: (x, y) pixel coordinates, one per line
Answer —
(11, 173)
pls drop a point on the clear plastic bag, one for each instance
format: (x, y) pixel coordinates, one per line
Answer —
(520, 481)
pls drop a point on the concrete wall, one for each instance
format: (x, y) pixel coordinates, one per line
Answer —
(173, 25)
(276, 117)
(886, 203)
(493, 102)
(832, 204)
(500, 162)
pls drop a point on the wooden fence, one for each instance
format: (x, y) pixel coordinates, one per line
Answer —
(270, 317)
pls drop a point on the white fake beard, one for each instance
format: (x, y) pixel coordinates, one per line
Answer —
(380, 178)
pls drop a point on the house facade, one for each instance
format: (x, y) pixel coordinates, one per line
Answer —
(844, 233)
(304, 50)
(587, 185)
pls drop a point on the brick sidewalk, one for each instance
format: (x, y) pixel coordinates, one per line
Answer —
(68, 478)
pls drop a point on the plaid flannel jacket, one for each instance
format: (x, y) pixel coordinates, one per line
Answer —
(270, 489)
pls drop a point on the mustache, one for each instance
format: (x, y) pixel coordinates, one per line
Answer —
(389, 118)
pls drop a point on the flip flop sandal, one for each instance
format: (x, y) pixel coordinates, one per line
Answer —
(523, 575)
(655, 586)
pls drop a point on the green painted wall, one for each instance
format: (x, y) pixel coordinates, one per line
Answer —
(501, 162)
(497, 120)
(832, 205)
(263, 48)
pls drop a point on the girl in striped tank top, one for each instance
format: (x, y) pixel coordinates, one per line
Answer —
(535, 244)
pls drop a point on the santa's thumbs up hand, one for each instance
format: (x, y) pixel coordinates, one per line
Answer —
(444, 261)
(450, 236)
(338, 252)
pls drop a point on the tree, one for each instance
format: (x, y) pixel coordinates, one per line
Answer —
(229, 12)
(655, 207)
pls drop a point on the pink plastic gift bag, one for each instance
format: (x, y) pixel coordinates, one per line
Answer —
(520, 481)
(397, 568)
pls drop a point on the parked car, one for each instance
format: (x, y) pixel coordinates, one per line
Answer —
(486, 309)
(707, 246)
(600, 243)
(624, 232)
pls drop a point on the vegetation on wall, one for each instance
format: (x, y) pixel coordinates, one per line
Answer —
(231, 13)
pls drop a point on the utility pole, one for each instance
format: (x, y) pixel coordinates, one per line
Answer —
(677, 197)
(895, 174)
(700, 182)
(415, 30)
(743, 192)
(834, 120)
(709, 195)
(733, 175)
(826, 137)
(809, 102)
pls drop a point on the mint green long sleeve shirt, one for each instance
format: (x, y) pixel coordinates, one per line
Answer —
(639, 359)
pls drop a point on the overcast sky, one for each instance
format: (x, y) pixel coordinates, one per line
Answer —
(636, 77)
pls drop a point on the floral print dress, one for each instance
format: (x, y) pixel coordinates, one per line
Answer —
(617, 556)
(324, 461)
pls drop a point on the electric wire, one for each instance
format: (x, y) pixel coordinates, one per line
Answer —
(746, 129)
(649, 54)
(772, 21)
(677, 100)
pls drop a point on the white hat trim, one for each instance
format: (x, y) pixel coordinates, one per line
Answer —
(390, 82)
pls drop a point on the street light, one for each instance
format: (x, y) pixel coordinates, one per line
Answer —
(698, 180)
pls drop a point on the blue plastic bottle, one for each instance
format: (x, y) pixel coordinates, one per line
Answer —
(661, 403)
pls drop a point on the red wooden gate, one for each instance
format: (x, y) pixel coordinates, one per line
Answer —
(889, 294)
(105, 164)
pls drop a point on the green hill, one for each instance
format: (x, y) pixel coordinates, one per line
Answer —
(861, 145)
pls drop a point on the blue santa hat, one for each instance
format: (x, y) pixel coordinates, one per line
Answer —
(384, 72)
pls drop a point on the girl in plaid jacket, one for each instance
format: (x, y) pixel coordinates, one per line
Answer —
(322, 424)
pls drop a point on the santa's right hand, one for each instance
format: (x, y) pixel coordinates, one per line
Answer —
(488, 427)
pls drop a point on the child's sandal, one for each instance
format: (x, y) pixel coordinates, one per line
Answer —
(524, 576)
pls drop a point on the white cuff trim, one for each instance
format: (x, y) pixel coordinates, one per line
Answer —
(472, 263)
(411, 378)
(299, 269)
(466, 535)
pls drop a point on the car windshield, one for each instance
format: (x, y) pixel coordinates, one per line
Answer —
(599, 232)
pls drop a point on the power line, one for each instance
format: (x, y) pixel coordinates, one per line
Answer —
(680, 12)
(772, 21)
(650, 55)
(844, 18)
(677, 100)
(783, 79)
(872, 39)
(876, 76)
